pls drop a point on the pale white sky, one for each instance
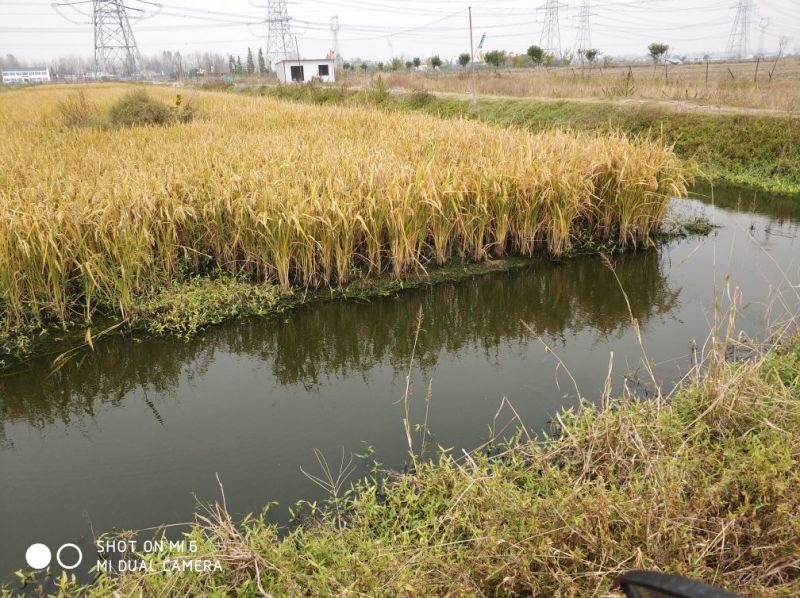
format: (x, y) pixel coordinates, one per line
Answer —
(379, 29)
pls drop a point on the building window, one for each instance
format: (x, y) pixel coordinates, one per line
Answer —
(297, 74)
(323, 70)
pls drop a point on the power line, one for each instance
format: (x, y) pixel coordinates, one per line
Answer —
(632, 19)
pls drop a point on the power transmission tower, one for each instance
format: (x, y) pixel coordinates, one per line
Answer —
(551, 31)
(584, 39)
(279, 35)
(115, 49)
(335, 36)
(739, 40)
(763, 25)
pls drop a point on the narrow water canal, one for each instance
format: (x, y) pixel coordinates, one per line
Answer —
(131, 435)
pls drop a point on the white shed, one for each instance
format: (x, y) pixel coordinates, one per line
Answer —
(305, 70)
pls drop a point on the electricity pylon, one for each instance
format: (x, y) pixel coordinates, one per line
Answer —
(739, 40)
(763, 26)
(551, 31)
(279, 34)
(584, 38)
(115, 49)
(335, 40)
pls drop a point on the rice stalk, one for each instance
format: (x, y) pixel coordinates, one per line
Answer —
(92, 220)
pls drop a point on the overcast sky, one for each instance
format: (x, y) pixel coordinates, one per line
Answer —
(379, 29)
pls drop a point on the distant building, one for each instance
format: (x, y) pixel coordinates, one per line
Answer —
(25, 76)
(305, 70)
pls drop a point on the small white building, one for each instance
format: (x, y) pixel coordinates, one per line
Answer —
(305, 70)
(25, 76)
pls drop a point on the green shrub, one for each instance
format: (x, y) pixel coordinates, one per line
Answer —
(419, 98)
(379, 92)
(137, 108)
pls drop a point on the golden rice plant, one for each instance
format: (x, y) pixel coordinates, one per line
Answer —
(94, 218)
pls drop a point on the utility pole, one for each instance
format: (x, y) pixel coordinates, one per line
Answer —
(115, 48)
(279, 35)
(551, 31)
(474, 105)
(739, 40)
(584, 39)
(335, 40)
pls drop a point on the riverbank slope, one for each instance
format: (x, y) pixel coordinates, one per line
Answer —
(704, 484)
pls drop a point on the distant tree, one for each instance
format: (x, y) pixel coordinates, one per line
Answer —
(536, 55)
(417, 62)
(364, 66)
(396, 64)
(380, 66)
(239, 65)
(262, 63)
(435, 61)
(347, 66)
(591, 55)
(231, 64)
(251, 64)
(496, 58)
(409, 64)
(657, 51)
(464, 59)
(11, 62)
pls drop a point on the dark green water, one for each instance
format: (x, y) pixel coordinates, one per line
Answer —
(131, 435)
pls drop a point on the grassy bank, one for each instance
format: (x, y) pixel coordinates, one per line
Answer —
(115, 213)
(755, 151)
(706, 484)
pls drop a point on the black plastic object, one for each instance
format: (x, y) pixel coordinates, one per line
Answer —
(648, 584)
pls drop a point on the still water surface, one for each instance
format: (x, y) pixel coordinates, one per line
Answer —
(132, 435)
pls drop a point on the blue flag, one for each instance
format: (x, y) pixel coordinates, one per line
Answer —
(483, 39)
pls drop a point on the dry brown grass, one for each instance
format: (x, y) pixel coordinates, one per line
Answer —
(729, 84)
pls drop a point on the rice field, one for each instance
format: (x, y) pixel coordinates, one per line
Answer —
(93, 218)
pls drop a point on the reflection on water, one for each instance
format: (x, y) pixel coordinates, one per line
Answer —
(126, 436)
(341, 340)
(781, 211)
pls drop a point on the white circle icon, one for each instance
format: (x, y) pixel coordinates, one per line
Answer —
(60, 562)
(38, 556)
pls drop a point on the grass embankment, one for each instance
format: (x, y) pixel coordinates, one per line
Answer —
(276, 194)
(706, 485)
(761, 152)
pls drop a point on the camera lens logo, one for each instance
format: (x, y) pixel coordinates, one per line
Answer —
(38, 556)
